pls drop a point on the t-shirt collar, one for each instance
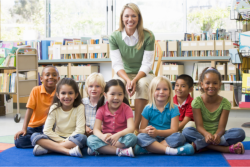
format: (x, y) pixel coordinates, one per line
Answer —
(117, 112)
(87, 101)
(124, 34)
(43, 90)
(184, 103)
(166, 107)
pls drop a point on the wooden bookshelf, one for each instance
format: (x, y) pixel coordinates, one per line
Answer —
(66, 61)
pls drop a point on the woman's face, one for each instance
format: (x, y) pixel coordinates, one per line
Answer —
(130, 19)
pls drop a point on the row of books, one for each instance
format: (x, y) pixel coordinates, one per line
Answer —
(7, 81)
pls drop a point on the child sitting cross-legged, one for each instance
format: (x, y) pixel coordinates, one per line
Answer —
(114, 124)
(183, 86)
(160, 121)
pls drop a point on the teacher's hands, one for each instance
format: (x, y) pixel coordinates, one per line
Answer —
(130, 87)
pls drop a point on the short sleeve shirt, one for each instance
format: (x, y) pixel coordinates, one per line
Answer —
(113, 123)
(40, 102)
(211, 119)
(90, 112)
(185, 109)
(160, 120)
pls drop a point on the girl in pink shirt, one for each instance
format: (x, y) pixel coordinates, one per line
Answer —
(114, 124)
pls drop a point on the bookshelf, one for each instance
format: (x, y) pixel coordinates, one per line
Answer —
(26, 61)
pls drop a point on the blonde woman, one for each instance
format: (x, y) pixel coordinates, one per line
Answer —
(132, 54)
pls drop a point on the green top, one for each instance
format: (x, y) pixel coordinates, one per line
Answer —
(131, 57)
(210, 119)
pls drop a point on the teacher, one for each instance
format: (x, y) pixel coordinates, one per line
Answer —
(132, 56)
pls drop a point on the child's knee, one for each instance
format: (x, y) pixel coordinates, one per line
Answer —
(79, 139)
(176, 140)
(130, 140)
(35, 137)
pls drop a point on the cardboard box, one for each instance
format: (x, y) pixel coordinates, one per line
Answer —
(202, 45)
(210, 45)
(231, 70)
(163, 46)
(219, 45)
(76, 49)
(63, 70)
(83, 70)
(221, 69)
(64, 49)
(172, 69)
(70, 49)
(31, 75)
(98, 48)
(83, 48)
(228, 44)
(40, 69)
(172, 45)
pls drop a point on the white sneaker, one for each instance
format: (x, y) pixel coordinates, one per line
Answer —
(90, 152)
(39, 150)
(75, 152)
(126, 152)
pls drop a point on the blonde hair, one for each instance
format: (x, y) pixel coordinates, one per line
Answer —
(95, 77)
(140, 28)
(152, 88)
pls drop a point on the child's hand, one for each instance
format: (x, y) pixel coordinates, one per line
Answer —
(148, 128)
(89, 131)
(152, 132)
(209, 138)
(113, 139)
(21, 132)
(216, 140)
(105, 137)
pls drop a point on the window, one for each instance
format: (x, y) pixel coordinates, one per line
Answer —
(78, 17)
(22, 19)
(208, 15)
(159, 16)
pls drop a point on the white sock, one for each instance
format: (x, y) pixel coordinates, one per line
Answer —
(117, 151)
(171, 151)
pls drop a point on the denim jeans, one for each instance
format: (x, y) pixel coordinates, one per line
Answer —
(24, 141)
(174, 140)
(78, 139)
(129, 140)
(231, 136)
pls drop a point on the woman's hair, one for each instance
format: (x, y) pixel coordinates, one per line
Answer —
(112, 82)
(206, 71)
(71, 82)
(95, 77)
(140, 27)
(152, 87)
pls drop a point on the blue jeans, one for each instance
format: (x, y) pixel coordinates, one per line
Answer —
(24, 141)
(174, 140)
(231, 136)
(78, 139)
(94, 142)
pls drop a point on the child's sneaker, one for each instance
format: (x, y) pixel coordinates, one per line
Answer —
(126, 152)
(186, 149)
(139, 150)
(90, 152)
(39, 150)
(75, 152)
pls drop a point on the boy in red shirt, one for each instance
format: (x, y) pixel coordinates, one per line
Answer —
(183, 86)
(38, 105)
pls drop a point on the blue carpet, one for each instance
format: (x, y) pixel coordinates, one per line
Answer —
(24, 157)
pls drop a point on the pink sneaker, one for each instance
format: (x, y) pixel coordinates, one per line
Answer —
(126, 152)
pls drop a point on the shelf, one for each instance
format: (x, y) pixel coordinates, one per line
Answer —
(27, 70)
(8, 93)
(27, 80)
(7, 68)
(209, 58)
(63, 61)
(237, 108)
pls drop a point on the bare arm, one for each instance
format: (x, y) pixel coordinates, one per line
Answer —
(222, 123)
(173, 128)
(26, 121)
(184, 122)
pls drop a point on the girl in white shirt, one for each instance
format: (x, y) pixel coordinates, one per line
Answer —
(67, 114)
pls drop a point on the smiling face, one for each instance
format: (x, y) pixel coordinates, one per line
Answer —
(49, 78)
(162, 92)
(130, 19)
(181, 88)
(94, 90)
(211, 84)
(67, 97)
(115, 97)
